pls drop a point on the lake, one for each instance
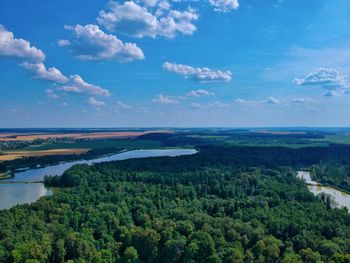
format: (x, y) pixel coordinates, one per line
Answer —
(12, 194)
(342, 199)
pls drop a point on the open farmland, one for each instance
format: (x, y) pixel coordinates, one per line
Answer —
(95, 135)
(12, 155)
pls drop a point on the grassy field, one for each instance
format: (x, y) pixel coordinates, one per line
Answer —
(267, 142)
(335, 138)
(96, 144)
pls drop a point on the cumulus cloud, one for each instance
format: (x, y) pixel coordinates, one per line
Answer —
(219, 104)
(18, 48)
(34, 63)
(40, 72)
(120, 106)
(162, 99)
(77, 85)
(247, 102)
(271, 100)
(199, 93)
(51, 94)
(63, 42)
(91, 43)
(140, 21)
(195, 105)
(332, 93)
(198, 74)
(96, 103)
(224, 5)
(301, 100)
(326, 78)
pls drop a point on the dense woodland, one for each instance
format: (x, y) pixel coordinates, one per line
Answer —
(231, 204)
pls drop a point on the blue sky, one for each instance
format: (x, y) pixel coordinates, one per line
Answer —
(169, 63)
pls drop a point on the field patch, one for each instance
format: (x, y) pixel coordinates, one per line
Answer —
(98, 144)
(94, 135)
(12, 155)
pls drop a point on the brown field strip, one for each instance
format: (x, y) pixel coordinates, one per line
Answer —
(97, 135)
(9, 156)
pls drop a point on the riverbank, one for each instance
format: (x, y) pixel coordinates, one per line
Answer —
(27, 185)
(6, 175)
(341, 198)
(327, 184)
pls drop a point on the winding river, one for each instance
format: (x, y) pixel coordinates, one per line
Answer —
(14, 192)
(342, 199)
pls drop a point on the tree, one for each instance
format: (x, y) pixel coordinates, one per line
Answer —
(58, 251)
(310, 256)
(269, 247)
(130, 255)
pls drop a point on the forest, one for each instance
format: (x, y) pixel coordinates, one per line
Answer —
(223, 204)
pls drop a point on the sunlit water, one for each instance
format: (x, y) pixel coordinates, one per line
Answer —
(19, 193)
(342, 199)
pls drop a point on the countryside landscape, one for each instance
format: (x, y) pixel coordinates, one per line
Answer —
(174, 131)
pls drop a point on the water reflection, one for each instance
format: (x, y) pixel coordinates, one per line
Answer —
(13, 194)
(342, 199)
(16, 194)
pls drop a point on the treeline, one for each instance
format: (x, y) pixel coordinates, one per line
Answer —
(221, 205)
(202, 137)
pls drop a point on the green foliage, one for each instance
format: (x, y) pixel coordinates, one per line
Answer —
(130, 255)
(98, 144)
(221, 205)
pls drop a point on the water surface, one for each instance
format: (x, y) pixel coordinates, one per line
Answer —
(20, 193)
(17, 194)
(342, 199)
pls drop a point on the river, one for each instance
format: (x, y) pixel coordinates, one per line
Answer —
(13, 193)
(342, 199)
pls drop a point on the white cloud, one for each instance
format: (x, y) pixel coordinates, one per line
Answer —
(64, 104)
(332, 93)
(119, 106)
(272, 100)
(326, 78)
(247, 102)
(195, 105)
(198, 74)
(77, 85)
(138, 21)
(96, 103)
(219, 104)
(162, 99)
(302, 100)
(224, 5)
(18, 48)
(40, 72)
(199, 93)
(51, 94)
(63, 42)
(91, 43)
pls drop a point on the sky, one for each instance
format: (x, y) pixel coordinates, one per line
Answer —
(174, 63)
